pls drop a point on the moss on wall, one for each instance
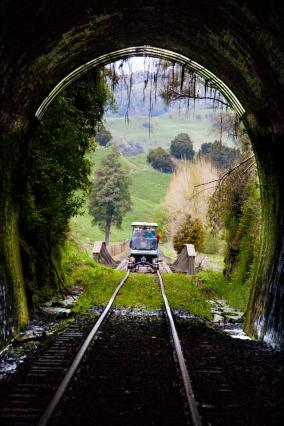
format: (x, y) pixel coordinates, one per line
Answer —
(264, 317)
(15, 314)
(14, 265)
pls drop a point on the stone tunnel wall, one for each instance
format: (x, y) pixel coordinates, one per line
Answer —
(7, 320)
(13, 306)
(241, 42)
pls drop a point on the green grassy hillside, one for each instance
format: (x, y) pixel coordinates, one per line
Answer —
(148, 188)
(164, 128)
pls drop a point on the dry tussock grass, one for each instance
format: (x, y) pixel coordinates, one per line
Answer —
(183, 197)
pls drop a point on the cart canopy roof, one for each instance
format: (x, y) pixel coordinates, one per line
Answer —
(144, 225)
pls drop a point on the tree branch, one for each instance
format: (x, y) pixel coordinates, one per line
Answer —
(199, 192)
(220, 179)
(182, 95)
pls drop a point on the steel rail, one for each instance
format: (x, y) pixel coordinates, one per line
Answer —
(195, 417)
(72, 369)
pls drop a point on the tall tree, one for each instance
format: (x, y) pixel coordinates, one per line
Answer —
(110, 197)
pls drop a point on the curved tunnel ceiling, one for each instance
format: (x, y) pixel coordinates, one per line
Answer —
(156, 52)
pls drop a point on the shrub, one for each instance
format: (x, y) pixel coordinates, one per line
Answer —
(190, 232)
(160, 160)
(235, 211)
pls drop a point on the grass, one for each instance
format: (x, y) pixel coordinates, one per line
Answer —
(184, 294)
(98, 281)
(167, 251)
(164, 128)
(140, 292)
(213, 285)
(214, 262)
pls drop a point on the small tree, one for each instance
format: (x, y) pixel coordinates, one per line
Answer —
(189, 232)
(110, 196)
(160, 160)
(182, 146)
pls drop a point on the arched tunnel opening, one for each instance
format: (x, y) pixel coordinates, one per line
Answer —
(236, 43)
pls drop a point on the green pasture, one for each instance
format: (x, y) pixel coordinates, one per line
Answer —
(164, 128)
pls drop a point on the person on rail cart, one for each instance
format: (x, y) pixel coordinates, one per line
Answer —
(144, 246)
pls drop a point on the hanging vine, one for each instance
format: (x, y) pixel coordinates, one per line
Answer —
(173, 83)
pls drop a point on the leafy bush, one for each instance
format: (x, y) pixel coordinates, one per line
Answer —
(189, 232)
(160, 160)
(182, 146)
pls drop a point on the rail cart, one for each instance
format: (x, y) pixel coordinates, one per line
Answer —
(144, 247)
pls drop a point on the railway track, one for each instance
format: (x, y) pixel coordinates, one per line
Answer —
(194, 414)
(27, 403)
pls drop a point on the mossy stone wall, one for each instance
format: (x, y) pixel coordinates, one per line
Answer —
(265, 314)
(13, 306)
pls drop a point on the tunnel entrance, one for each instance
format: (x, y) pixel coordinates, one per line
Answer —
(239, 43)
